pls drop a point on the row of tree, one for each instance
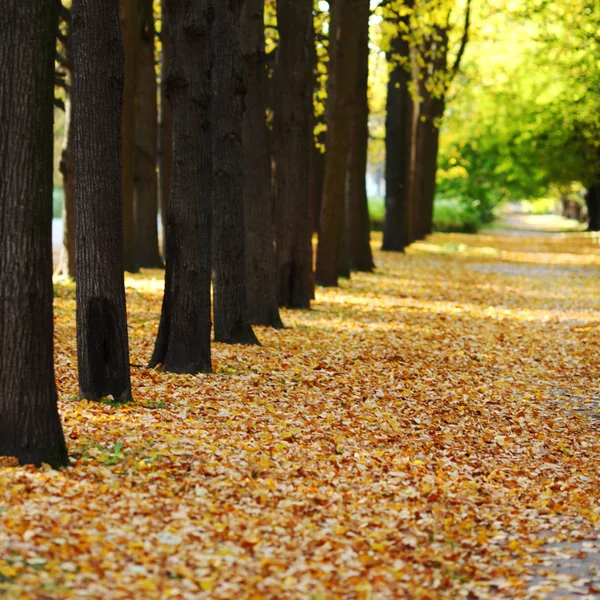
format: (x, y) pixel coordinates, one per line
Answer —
(239, 156)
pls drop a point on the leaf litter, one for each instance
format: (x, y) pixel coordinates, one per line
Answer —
(404, 439)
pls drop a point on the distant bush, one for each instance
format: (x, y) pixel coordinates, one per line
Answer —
(57, 200)
(376, 212)
(456, 217)
(541, 206)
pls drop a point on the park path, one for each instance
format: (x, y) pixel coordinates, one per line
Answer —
(558, 249)
(425, 431)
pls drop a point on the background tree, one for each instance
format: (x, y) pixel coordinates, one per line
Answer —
(66, 263)
(183, 340)
(232, 324)
(129, 31)
(343, 52)
(165, 156)
(30, 428)
(146, 137)
(293, 140)
(398, 127)
(357, 208)
(102, 344)
(261, 258)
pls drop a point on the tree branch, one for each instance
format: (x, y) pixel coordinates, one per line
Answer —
(463, 42)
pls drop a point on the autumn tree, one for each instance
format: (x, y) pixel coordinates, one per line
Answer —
(421, 74)
(261, 258)
(293, 140)
(183, 340)
(398, 126)
(343, 52)
(232, 324)
(146, 133)
(98, 73)
(30, 428)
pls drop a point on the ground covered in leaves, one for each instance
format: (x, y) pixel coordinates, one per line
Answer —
(420, 434)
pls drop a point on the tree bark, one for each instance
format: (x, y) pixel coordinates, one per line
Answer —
(183, 340)
(357, 209)
(146, 132)
(166, 127)
(261, 259)
(293, 141)
(129, 30)
(102, 344)
(232, 325)
(315, 186)
(30, 428)
(343, 53)
(398, 125)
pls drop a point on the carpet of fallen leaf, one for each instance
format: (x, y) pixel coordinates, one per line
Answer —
(419, 434)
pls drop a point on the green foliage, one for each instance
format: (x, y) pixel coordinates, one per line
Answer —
(519, 125)
(452, 216)
(376, 212)
(57, 200)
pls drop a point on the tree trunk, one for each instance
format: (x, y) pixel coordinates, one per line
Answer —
(66, 265)
(315, 186)
(433, 107)
(146, 131)
(129, 31)
(357, 208)
(232, 324)
(166, 127)
(183, 340)
(398, 142)
(592, 200)
(261, 259)
(102, 345)
(293, 141)
(30, 428)
(431, 146)
(343, 55)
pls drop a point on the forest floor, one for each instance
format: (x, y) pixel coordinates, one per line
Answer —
(427, 431)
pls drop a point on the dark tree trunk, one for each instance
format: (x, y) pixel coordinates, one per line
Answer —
(418, 166)
(317, 156)
(430, 154)
(315, 186)
(30, 428)
(293, 142)
(129, 30)
(232, 324)
(592, 200)
(433, 107)
(343, 54)
(146, 180)
(102, 345)
(166, 127)
(398, 125)
(66, 264)
(357, 209)
(183, 341)
(261, 260)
